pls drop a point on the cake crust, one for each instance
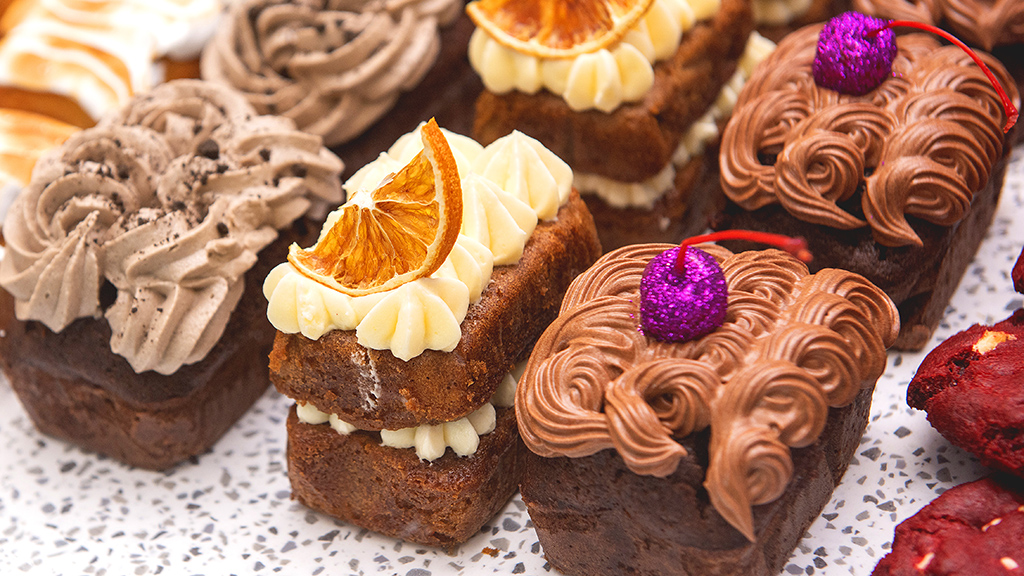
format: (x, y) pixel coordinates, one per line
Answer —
(373, 390)
(391, 491)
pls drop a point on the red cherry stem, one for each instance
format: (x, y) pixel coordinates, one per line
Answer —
(1011, 110)
(795, 246)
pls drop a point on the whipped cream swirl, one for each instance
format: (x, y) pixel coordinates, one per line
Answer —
(334, 67)
(169, 203)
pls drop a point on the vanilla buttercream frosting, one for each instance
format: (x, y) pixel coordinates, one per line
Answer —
(169, 202)
(333, 66)
(603, 79)
(507, 187)
(430, 441)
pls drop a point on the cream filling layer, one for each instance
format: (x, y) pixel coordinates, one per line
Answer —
(778, 12)
(431, 441)
(644, 194)
(507, 187)
(604, 79)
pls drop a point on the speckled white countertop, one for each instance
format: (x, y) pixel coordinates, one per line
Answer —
(64, 511)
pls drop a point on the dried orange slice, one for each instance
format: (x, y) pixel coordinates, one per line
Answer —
(557, 28)
(395, 234)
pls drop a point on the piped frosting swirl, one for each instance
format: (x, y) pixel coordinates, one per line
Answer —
(792, 345)
(507, 187)
(921, 144)
(333, 67)
(983, 23)
(169, 202)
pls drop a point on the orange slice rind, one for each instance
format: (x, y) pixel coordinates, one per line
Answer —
(557, 28)
(399, 232)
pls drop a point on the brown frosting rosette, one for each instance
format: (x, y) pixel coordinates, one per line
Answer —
(920, 144)
(332, 66)
(167, 203)
(793, 344)
(983, 23)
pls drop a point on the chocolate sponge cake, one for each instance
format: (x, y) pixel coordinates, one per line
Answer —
(131, 311)
(898, 184)
(713, 453)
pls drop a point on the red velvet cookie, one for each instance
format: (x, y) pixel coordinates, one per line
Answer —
(1018, 273)
(976, 528)
(971, 387)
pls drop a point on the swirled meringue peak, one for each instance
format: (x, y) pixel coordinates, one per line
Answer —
(792, 344)
(169, 201)
(506, 188)
(334, 67)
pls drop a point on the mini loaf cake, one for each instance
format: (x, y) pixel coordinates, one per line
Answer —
(715, 453)
(898, 184)
(338, 68)
(131, 317)
(975, 528)
(424, 445)
(632, 117)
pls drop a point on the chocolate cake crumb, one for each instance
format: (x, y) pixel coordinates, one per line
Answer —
(208, 149)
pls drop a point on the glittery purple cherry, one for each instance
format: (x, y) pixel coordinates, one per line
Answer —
(855, 53)
(677, 307)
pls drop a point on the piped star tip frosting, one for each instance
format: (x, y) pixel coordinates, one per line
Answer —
(856, 52)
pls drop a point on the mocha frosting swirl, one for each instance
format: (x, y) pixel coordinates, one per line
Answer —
(921, 144)
(169, 202)
(793, 344)
(333, 67)
(983, 23)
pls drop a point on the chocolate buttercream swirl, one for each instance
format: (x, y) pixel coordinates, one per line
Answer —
(169, 202)
(983, 23)
(332, 66)
(792, 345)
(920, 144)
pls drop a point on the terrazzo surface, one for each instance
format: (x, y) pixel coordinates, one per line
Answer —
(65, 511)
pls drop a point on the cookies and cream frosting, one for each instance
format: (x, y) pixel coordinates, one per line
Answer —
(334, 67)
(921, 144)
(169, 202)
(793, 344)
(100, 53)
(507, 187)
(603, 79)
(983, 23)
